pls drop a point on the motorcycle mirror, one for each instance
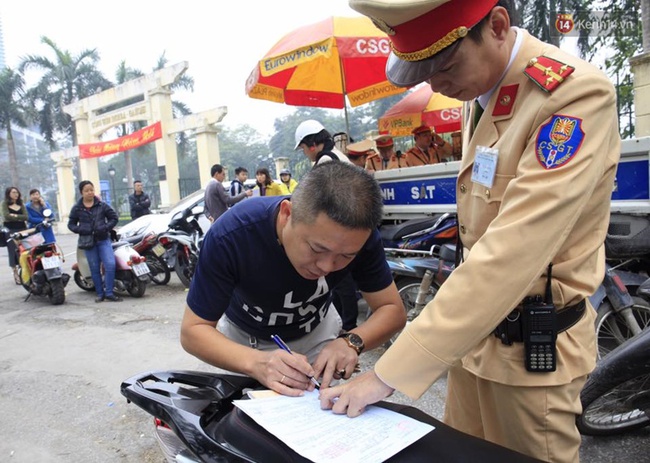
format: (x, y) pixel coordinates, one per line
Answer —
(47, 213)
(197, 210)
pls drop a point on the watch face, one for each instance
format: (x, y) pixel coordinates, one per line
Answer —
(355, 340)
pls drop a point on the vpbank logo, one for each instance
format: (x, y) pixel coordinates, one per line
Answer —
(564, 23)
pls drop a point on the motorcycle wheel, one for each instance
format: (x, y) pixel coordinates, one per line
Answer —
(160, 273)
(408, 288)
(184, 269)
(611, 328)
(82, 282)
(57, 292)
(615, 404)
(137, 288)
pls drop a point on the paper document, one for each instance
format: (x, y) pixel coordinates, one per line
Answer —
(324, 437)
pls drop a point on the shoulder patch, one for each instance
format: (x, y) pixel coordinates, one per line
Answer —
(558, 141)
(547, 73)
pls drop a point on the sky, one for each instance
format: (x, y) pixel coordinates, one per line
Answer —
(221, 41)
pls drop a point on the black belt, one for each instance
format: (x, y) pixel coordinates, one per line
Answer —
(511, 328)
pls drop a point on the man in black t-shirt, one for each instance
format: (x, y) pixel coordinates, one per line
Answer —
(268, 266)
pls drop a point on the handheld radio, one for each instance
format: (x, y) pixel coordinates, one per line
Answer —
(540, 330)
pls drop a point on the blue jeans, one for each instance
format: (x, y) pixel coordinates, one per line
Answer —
(102, 253)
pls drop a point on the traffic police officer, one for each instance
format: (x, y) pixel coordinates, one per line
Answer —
(541, 147)
(386, 158)
(429, 148)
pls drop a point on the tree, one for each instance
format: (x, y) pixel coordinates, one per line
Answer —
(65, 79)
(13, 111)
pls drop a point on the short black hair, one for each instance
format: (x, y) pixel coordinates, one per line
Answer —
(239, 170)
(216, 169)
(357, 206)
(34, 190)
(136, 181)
(83, 183)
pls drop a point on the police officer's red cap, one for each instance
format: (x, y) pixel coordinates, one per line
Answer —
(423, 33)
(384, 142)
(421, 129)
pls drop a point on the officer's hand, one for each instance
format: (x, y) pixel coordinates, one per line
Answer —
(337, 360)
(249, 192)
(438, 140)
(285, 373)
(352, 397)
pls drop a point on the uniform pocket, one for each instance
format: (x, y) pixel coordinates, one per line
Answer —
(494, 194)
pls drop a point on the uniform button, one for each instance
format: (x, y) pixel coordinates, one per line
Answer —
(463, 188)
(462, 229)
(487, 194)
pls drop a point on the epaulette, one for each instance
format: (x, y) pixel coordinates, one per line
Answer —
(547, 73)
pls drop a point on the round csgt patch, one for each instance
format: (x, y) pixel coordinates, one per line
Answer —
(558, 141)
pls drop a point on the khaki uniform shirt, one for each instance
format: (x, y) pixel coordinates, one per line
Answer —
(532, 215)
(375, 162)
(433, 155)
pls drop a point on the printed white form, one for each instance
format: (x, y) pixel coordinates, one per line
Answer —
(324, 437)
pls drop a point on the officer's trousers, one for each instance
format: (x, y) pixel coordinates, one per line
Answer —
(536, 421)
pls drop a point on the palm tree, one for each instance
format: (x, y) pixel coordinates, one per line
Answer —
(66, 79)
(13, 111)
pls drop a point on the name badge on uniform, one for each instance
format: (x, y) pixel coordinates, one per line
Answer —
(485, 166)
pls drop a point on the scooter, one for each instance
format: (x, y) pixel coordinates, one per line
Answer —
(40, 263)
(131, 271)
(419, 234)
(616, 397)
(196, 421)
(182, 242)
(149, 248)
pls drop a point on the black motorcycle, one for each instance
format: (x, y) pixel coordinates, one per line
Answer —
(616, 397)
(196, 421)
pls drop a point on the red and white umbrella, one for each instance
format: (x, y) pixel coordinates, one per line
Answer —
(422, 106)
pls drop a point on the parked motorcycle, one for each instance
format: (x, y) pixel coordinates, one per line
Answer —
(182, 242)
(616, 397)
(131, 271)
(196, 421)
(418, 278)
(153, 252)
(419, 234)
(40, 263)
(620, 316)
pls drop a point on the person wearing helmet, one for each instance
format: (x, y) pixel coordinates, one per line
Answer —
(317, 143)
(287, 184)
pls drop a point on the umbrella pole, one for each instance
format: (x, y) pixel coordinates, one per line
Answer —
(347, 121)
(345, 98)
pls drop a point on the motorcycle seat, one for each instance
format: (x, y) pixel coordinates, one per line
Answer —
(205, 419)
(133, 239)
(397, 231)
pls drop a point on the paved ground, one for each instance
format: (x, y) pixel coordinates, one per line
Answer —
(61, 369)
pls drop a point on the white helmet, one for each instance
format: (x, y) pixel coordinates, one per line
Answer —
(308, 127)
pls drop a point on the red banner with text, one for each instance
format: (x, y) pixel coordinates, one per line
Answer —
(141, 137)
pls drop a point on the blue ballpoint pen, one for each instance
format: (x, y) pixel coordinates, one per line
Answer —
(281, 344)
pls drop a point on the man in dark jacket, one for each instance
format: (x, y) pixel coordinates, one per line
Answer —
(139, 201)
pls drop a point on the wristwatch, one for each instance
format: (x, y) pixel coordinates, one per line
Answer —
(354, 341)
